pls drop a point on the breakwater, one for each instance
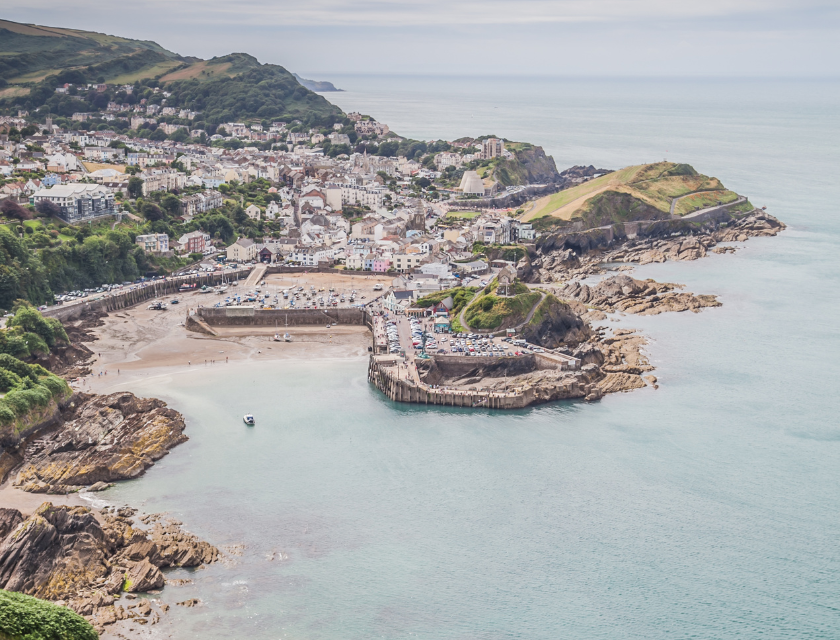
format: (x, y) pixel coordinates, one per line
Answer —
(394, 380)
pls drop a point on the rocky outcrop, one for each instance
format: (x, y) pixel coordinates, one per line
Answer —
(568, 254)
(550, 385)
(83, 558)
(555, 324)
(539, 168)
(55, 552)
(643, 297)
(143, 577)
(106, 438)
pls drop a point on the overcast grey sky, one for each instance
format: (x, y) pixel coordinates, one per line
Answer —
(487, 37)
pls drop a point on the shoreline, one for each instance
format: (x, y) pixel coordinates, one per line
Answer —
(137, 344)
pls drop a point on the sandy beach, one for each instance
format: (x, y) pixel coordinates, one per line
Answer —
(139, 342)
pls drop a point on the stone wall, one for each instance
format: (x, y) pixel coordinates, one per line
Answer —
(123, 299)
(381, 374)
(248, 316)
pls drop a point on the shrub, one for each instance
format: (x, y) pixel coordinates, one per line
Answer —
(30, 320)
(6, 414)
(8, 380)
(35, 344)
(28, 618)
(20, 368)
(17, 402)
(55, 385)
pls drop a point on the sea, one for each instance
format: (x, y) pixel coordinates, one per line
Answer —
(708, 509)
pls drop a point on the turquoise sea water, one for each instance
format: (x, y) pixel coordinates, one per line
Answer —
(706, 509)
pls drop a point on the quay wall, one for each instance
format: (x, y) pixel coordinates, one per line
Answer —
(382, 374)
(124, 299)
(249, 316)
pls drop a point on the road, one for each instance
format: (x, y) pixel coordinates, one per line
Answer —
(256, 276)
(140, 285)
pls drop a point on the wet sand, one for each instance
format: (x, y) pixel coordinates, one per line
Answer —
(139, 342)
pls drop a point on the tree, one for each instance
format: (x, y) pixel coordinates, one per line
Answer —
(151, 212)
(171, 204)
(12, 209)
(388, 148)
(48, 209)
(135, 187)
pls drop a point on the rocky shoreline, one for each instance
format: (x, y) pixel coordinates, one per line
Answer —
(564, 256)
(86, 559)
(93, 560)
(614, 361)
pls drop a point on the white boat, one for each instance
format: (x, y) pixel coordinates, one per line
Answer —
(287, 337)
(249, 420)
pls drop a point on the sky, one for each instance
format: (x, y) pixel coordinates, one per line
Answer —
(628, 38)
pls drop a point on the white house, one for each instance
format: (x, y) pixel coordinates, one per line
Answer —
(253, 212)
(243, 250)
(314, 198)
(354, 261)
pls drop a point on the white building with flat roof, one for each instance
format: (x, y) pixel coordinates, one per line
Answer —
(78, 202)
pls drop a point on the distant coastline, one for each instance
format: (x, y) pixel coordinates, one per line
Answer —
(318, 86)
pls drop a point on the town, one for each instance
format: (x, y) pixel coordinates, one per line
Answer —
(269, 192)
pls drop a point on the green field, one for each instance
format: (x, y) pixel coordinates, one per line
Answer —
(147, 72)
(463, 215)
(37, 225)
(653, 187)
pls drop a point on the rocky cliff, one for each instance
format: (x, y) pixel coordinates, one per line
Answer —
(84, 558)
(101, 439)
(555, 323)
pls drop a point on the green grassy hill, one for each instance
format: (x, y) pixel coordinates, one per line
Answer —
(34, 60)
(30, 53)
(641, 192)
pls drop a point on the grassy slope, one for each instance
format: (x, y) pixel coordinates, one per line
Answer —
(231, 87)
(654, 185)
(564, 203)
(505, 311)
(29, 53)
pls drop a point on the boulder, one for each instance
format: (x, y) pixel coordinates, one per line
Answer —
(142, 577)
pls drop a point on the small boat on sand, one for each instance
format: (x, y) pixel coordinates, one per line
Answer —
(249, 420)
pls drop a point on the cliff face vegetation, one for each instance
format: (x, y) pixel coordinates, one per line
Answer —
(613, 206)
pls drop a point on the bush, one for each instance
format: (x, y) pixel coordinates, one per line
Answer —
(28, 618)
(55, 385)
(16, 366)
(35, 343)
(17, 402)
(8, 380)
(30, 320)
(6, 414)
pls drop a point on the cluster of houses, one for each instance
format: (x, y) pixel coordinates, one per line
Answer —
(390, 230)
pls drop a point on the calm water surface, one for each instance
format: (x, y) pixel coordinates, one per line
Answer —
(706, 509)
